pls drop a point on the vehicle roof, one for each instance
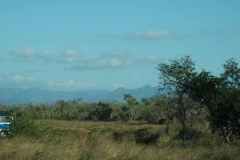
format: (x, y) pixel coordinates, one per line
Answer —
(4, 113)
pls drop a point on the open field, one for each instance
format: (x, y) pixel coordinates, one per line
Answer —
(111, 140)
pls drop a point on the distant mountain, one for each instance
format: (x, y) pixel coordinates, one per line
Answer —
(12, 96)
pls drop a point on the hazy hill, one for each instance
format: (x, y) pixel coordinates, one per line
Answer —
(11, 96)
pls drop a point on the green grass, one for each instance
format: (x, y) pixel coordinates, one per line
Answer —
(112, 140)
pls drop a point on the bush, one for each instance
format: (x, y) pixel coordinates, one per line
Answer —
(102, 112)
(145, 136)
(25, 126)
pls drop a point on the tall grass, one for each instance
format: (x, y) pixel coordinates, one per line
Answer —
(112, 140)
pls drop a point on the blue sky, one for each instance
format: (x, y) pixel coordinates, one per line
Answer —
(88, 44)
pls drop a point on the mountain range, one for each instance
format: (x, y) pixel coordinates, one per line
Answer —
(12, 96)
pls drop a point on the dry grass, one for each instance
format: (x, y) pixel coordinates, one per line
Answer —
(95, 141)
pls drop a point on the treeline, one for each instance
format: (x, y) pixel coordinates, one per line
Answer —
(218, 96)
(190, 97)
(148, 109)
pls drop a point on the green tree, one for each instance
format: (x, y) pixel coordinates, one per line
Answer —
(220, 96)
(231, 74)
(152, 112)
(133, 108)
(61, 104)
(167, 106)
(117, 113)
(102, 112)
(172, 79)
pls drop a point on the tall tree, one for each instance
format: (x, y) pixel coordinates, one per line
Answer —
(173, 77)
(231, 74)
(102, 112)
(133, 107)
(220, 96)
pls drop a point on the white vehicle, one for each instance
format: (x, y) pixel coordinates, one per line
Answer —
(5, 129)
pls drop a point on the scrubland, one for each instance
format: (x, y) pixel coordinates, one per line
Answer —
(205, 109)
(87, 140)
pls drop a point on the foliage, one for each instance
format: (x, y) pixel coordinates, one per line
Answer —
(167, 106)
(191, 97)
(144, 136)
(25, 126)
(220, 96)
(133, 110)
(102, 112)
(172, 78)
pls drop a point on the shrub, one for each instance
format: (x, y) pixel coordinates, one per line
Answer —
(25, 126)
(102, 112)
(145, 136)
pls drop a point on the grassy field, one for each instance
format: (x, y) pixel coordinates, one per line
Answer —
(76, 140)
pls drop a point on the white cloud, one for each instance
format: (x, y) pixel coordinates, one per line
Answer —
(70, 59)
(48, 56)
(150, 34)
(128, 63)
(90, 58)
(50, 83)
(67, 84)
(70, 53)
(116, 53)
(107, 60)
(62, 84)
(70, 56)
(153, 57)
(147, 61)
(70, 84)
(111, 62)
(18, 78)
(99, 63)
(115, 62)
(26, 52)
(21, 82)
(31, 79)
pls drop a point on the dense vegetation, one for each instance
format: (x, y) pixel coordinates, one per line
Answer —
(197, 117)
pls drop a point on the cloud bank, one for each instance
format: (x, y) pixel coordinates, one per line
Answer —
(145, 35)
(111, 59)
(26, 53)
(151, 34)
